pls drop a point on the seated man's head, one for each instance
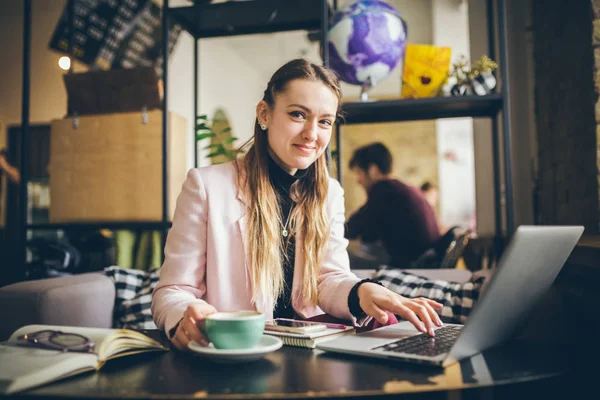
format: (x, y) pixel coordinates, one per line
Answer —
(431, 193)
(370, 164)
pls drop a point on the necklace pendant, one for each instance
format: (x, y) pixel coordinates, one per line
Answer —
(285, 233)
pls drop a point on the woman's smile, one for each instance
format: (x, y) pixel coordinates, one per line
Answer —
(305, 149)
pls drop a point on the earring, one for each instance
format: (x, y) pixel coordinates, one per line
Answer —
(263, 127)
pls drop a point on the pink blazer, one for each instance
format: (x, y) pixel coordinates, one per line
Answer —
(206, 254)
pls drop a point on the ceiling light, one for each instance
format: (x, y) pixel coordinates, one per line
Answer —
(64, 63)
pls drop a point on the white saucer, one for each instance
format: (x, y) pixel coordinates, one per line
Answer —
(265, 345)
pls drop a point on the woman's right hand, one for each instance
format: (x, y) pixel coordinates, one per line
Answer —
(188, 330)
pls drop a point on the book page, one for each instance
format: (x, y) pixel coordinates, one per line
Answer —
(25, 367)
(108, 342)
(96, 335)
(125, 341)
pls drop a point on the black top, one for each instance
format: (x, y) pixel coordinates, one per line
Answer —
(282, 182)
(399, 216)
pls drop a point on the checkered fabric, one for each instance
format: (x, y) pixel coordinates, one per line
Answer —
(133, 297)
(458, 298)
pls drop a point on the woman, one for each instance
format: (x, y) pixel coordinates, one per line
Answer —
(266, 232)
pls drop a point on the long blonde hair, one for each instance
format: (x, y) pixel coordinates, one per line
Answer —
(308, 217)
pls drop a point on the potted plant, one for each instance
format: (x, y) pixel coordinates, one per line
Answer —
(222, 148)
(473, 79)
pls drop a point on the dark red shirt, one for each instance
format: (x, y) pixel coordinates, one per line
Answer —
(400, 217)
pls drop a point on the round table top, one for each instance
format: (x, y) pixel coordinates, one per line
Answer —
(293, 372)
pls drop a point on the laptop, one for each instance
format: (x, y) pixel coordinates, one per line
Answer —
(525, 272)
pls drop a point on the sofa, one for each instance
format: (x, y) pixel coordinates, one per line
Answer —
(90, 299)
(77, 300)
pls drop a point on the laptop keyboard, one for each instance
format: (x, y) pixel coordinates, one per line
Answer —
(425, 345)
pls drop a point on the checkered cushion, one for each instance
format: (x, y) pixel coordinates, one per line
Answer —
(133, 297)
(458, 298)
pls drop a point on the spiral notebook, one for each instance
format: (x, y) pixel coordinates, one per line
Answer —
(310, 340)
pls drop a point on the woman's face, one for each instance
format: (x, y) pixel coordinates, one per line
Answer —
(300, 123)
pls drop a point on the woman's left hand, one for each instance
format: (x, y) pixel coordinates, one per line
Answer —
(376, 301)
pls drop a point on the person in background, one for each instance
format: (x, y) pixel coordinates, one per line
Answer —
(266, 232)
(10, 171)
(396, 214)
(400, 217)
(431, 193)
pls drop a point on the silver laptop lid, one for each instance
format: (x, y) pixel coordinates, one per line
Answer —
(526, 271)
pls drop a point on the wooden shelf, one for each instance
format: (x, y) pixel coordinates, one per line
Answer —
(248, 17)
(360, 112)
(100, 225)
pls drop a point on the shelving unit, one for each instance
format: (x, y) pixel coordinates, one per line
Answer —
(24, 227)
(25, 125)
(270, 16)
(204, 21)
(201, 21)
(101, 225)
(233, 18)
(489, 106)
(359, 112)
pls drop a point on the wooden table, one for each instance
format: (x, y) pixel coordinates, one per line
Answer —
(303, 373)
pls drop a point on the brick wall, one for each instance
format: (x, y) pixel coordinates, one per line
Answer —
(564, 102)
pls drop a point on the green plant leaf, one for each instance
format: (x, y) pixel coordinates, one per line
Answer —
(203, 117)
(203, 126)
(230, 139)
(226, 130)
(218, 146)
(204, 136)
(216, 153)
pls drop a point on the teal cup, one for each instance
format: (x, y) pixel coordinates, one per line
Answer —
(234, 330)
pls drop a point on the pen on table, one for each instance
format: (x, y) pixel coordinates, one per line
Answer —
(335, 326)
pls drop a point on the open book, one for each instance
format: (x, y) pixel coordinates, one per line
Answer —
(24, 367)
(310, 340)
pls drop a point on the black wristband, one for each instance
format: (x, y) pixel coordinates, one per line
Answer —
(354, 301)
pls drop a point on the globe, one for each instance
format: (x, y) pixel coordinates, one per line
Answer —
(367, 39)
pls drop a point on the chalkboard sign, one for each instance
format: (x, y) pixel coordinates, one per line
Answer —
(114, 33)
(142, 46)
